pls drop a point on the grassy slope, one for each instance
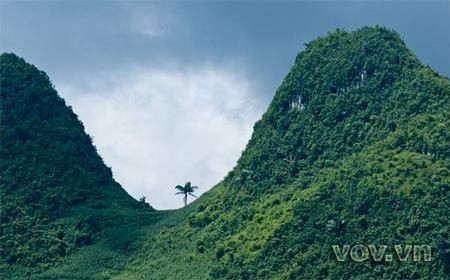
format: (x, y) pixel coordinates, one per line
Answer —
(146, 248)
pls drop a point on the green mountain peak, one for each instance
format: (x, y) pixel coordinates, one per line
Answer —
(55, 188)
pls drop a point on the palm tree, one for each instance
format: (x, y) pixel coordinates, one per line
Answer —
(186, 190)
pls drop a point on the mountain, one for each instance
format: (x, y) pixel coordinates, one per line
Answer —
(56, 192)
(353, 150)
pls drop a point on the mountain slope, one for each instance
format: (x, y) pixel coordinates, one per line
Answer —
(56, 192)
(354, 149)
(357, 132)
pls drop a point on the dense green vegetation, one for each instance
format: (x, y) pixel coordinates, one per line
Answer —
(56, 193)
(354, 149)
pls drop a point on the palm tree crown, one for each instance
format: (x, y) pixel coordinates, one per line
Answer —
(188, 189)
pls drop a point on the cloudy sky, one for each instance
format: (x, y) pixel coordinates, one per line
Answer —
(170, 90)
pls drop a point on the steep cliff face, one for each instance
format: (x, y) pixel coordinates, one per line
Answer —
(55, 190)
(353, 150)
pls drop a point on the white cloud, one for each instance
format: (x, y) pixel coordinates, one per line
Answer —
(160, 128)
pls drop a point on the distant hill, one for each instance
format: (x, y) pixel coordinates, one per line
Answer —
(354, 149)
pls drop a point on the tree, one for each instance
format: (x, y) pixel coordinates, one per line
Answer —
(188, 189)
(143, 202)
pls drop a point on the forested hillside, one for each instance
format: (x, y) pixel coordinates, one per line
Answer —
(56, 192)
(353, 149)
